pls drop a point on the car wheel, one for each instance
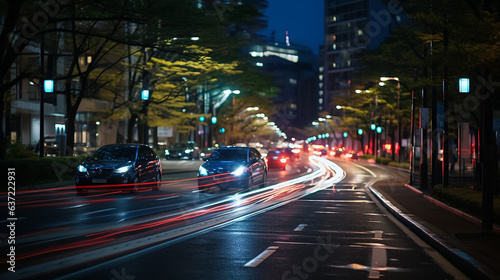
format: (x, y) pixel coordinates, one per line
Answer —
(264, 179)
(248, 183)
(156, 186)
(135, 187)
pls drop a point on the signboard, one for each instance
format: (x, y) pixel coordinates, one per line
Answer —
(165, 131)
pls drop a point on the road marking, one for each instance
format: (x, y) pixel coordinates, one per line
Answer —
(74, 206)
(168, 197)
(99, 211)
(379, 257)
(326, 212)
(366, 169)
(261, 257)
(300, 227)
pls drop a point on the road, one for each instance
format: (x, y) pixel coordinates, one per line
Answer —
(312, 221)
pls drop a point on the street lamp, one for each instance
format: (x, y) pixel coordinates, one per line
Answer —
(216, 105)
(383, 79)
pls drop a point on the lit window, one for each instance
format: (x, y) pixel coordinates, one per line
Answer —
(321, 93)
(320, 101)
(334, 46)
(321, 77)
(360, 32)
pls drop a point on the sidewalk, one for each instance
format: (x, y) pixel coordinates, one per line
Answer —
(452, 233)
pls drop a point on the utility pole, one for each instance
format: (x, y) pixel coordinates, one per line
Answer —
(424, 122)
(41, 81)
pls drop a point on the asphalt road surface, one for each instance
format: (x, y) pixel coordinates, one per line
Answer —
(311, 221)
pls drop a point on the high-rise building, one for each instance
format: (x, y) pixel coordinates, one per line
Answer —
(294, 69)
(350, 27)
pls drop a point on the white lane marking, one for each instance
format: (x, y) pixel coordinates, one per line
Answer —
(366, 169)
(379, 257)
(261, 257)
(74, 206)
(326, 212)
(99, 211)
(300, 227)
(168, 197)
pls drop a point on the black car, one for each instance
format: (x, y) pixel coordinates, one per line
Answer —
(125, 165)
(226, 167)
(187, 150)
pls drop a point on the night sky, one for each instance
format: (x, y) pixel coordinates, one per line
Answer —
(304, 21)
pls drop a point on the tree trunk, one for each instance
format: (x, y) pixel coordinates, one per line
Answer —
(3, 144)
(131, 128)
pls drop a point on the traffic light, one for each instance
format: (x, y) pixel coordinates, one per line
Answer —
(48, 85)
(222, 130)
(345, 134)
(202, 119)
(145, 94)
(214, 120)
(379, 129)
(360, 131)
(373, 126)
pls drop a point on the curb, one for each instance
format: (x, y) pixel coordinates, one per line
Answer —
(455, 211)
(467, 264)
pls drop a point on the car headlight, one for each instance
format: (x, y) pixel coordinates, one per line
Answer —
(203, 171)
(123, 169)
(239, 171)
(167, 152)
(188, 151)
(82, 168)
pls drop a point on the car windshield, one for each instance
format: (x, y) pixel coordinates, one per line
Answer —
(180, 146)
(229, 155)
(273, 153)
(115, 153)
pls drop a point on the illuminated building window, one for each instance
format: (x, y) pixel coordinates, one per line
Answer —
(321, 93)
(321, 77)
(320, 101)
(334, 46)
(360, 32)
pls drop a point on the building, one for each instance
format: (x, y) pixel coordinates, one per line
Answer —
(294, 69)
(350, 27)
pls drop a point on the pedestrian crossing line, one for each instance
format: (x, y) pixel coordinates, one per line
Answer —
(300, 227)
(261, 257)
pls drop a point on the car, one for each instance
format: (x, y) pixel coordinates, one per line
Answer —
(183, 150)
(352, 156)
(226, 167)
(289, 152)
(51, 146)
(277, 159)
(125, 165)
